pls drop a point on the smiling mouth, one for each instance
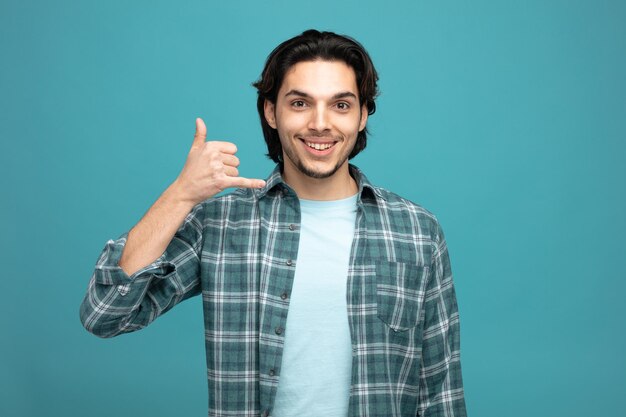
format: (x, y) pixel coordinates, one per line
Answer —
(319, 146)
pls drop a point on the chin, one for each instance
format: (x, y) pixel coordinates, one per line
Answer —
(318, 173)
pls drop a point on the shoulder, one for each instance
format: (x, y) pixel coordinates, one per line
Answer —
(406, 214)
(395, 202)
(395, 212)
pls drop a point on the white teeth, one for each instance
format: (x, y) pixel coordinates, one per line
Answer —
(319, 146)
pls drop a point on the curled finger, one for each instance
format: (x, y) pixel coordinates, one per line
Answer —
(229, 159)
(231, 171)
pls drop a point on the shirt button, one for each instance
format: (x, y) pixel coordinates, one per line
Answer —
(272, 372)
(123, 289)
(292, 227)
(284, 296)
(289, 262)
(279, 330)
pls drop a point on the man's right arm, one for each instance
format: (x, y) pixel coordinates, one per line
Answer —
(156, 265)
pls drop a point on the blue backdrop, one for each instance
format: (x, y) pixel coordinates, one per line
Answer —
(507, 119)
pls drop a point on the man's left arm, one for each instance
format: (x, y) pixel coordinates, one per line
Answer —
(441, 384)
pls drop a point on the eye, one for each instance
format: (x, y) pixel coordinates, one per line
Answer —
(298, 103)
(342, 105)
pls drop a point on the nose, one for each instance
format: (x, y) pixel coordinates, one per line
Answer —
(319, 119)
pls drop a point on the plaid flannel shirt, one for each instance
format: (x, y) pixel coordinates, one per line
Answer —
(240, 252)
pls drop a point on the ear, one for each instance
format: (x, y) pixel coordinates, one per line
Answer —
(364, 115)
(270, 113)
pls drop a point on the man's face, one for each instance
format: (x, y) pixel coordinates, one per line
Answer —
(317, 116)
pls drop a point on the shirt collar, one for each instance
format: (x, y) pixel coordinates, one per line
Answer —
(366, 188)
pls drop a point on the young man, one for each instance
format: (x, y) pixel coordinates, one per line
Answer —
(323, 295)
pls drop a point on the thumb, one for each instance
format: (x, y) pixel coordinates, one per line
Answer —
(200, 136)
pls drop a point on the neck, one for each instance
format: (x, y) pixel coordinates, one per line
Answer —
(337, 186)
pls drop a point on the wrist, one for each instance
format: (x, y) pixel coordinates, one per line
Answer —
(176, 195)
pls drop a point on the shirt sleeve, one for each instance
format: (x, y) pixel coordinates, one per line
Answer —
(116, 303)
(441, 383)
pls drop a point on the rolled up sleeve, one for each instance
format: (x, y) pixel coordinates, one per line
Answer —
(117, 303)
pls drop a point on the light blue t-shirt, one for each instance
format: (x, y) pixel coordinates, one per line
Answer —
(317, 360)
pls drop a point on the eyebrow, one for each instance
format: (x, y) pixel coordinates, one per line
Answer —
(343, 94)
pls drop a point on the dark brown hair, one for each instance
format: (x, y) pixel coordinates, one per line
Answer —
(310, 46)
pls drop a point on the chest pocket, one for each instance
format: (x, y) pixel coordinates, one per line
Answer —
(400, 291)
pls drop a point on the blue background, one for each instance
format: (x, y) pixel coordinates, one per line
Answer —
(506, 119)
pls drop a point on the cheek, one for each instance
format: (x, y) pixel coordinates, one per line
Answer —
(349, 126)
(290, 121)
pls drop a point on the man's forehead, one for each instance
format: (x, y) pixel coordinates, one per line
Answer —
(320, 78)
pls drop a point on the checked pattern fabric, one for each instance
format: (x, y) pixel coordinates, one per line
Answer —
(240, 251)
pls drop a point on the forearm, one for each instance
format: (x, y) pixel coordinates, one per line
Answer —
(118, 303)
(153, 233)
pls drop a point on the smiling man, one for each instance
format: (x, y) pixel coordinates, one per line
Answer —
(323, 294)
(317, 116)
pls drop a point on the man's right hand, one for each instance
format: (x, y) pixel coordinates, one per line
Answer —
(211, 167)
